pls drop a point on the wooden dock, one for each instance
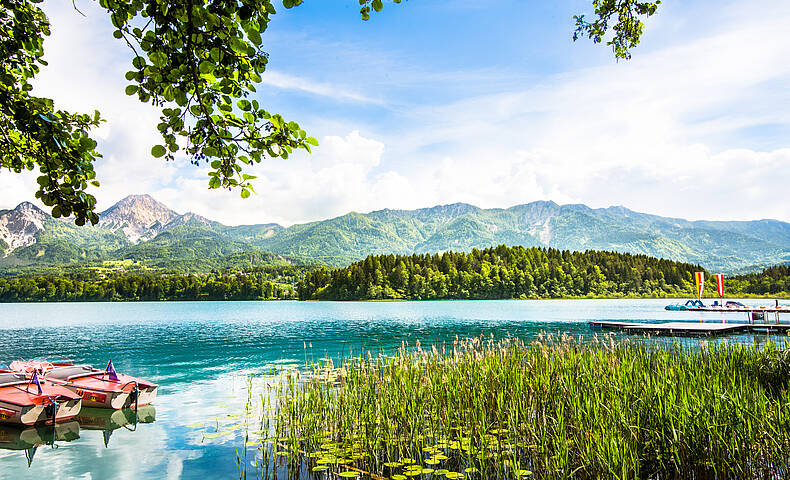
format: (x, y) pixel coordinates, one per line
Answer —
(693, 329)
(744, 309)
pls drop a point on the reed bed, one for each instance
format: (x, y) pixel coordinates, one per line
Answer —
(555, 408)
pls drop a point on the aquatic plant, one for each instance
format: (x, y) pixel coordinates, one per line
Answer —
(555, 408)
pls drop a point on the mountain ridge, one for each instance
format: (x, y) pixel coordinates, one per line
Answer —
(139, 226)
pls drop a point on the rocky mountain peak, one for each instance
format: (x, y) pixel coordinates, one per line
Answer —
(139, 217)
(19, 227)
(27, 208)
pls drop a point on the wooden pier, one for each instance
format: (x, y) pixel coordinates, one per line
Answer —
(693, 329)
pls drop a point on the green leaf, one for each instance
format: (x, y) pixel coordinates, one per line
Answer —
(131, 89)
(210, 151)
(254, 36)
(311, 141)
(206, 67)
(214, 182)
(245, 193)
(158, 151)
(216, 54)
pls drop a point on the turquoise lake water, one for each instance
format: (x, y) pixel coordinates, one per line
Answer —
(200, 354)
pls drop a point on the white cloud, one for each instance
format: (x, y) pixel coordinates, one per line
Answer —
(333, 180)
(290, 82)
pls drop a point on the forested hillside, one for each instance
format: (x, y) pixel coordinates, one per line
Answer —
(501, 272)
(771, 281)
(140, 229)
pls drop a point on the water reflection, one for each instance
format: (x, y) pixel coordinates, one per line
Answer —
(29, 439)
(106, 421)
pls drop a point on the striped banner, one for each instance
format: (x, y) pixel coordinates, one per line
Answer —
(720, 284)
(700, 278)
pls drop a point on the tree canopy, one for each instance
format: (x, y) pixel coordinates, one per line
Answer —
(198, 61)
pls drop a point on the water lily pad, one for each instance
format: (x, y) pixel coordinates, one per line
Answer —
(349, 474)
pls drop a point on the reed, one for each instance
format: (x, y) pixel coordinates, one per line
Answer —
(555, 408)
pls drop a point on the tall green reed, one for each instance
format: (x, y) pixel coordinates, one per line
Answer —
(555, 408)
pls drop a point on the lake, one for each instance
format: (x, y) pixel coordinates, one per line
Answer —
(200, 354)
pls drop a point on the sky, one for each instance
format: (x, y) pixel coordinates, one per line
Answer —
(490, 103)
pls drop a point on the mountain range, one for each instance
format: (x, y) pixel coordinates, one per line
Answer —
(141, 229)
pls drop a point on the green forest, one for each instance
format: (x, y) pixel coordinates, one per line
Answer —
(264, 283)
(493, 273)
(517, 272)
(773, 281)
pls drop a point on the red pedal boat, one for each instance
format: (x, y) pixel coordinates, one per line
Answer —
(98, 388)
(27, 400)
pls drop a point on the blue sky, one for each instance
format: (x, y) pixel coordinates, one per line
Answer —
(491, 103)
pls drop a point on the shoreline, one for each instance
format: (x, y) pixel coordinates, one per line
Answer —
(784, 297)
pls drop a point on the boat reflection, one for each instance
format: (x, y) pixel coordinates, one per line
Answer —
(30, 438)
(108, 420)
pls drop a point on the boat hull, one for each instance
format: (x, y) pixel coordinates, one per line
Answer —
(97, 388)
(114, 399)
(13, 414)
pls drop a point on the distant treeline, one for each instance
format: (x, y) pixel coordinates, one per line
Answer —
(494, 273)
(270, 283)
(501, 272)
(773, 281)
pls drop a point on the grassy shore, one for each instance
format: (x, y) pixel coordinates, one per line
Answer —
(555, 408)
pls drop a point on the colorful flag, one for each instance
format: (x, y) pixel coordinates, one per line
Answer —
(37, 383)
(700, 277)
(111, 371)
(720, 284)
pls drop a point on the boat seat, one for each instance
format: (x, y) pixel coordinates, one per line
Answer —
(70, 373)
(9, 379)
